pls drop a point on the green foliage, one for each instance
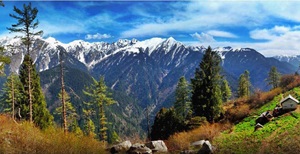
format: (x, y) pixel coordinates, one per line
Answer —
(165, 124)
(273, 78)
(195, 122)
(11, 95)
(26, 24)
(3, 61)
(226, 91)
(182, 103)
(41, 115)
(269, 139)
(206, 92)
(89, 126)
(70, 113)
(244, 85)
(100, 98)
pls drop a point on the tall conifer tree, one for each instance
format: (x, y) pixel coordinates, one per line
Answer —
(226, 91)
(206, 93)
(273, 77)
(41, 115)
(26, 25)
(182, 102)
(100, 98)
(11, 95)
(244, 85)
(71, 115)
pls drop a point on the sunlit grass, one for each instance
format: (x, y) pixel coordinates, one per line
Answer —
(25, 138)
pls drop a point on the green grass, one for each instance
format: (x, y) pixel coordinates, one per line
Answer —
(273, 137)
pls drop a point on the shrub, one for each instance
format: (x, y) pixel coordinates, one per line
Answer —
(181, 141)
(26, 138)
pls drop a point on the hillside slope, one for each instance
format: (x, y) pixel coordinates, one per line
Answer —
(280, 135)
(236, 132)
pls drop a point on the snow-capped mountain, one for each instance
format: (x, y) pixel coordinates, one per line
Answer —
(141, 73)
(146, 70)
(293, 60)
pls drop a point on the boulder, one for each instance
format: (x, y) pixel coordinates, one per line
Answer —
(139, 149)
(258, 126)
(157, 146)
(198, 144)
(207, 148)
(121, 147)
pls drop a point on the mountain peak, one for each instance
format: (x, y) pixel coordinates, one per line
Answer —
(223, 49)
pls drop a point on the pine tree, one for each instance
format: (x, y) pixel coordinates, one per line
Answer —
(71, 115)
(226, 91)
(89, 126)
(182, 103)
(26, 25)
(206, 93)
(244, 85)
(248, 83)
(166, 123)
(11, 95)
(63, 95)
(273, 78)
(41, 115)
(100, 98)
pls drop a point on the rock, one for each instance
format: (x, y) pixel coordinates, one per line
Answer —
(258, 126)
(207, 148)
(121, 147)
(139, 149)
(198, 144)
(157, 146)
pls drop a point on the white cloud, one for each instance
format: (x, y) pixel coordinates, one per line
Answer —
(204, 15)
(97, 36)
(269, 34)
(217, 33)
(203, 37)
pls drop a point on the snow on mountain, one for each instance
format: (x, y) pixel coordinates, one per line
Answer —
(294, 60)
(46, 55)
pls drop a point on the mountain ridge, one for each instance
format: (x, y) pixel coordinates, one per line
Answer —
(146, 71)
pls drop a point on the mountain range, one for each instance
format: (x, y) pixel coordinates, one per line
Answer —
(141, 74)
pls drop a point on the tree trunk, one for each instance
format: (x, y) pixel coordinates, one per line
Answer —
(13, 98)
(63, 96)
(30, 94)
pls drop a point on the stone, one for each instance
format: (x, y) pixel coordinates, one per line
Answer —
(258, 126)
(121, 147)
(198, 144)
(139, 149)
(207, 148)
(157, 146)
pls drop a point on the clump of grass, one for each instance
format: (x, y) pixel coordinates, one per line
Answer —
(181, 141)
(26, 138)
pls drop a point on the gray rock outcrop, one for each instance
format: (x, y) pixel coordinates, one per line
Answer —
(139, 149)
(121, 147)
(157, 146)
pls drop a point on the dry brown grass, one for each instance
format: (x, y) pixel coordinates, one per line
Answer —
(181, 141)
(25, 138)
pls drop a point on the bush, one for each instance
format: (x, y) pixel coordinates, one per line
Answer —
(288, 82)
(181, 141)
(26, 138)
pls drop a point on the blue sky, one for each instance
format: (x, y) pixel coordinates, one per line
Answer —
(270, 27)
